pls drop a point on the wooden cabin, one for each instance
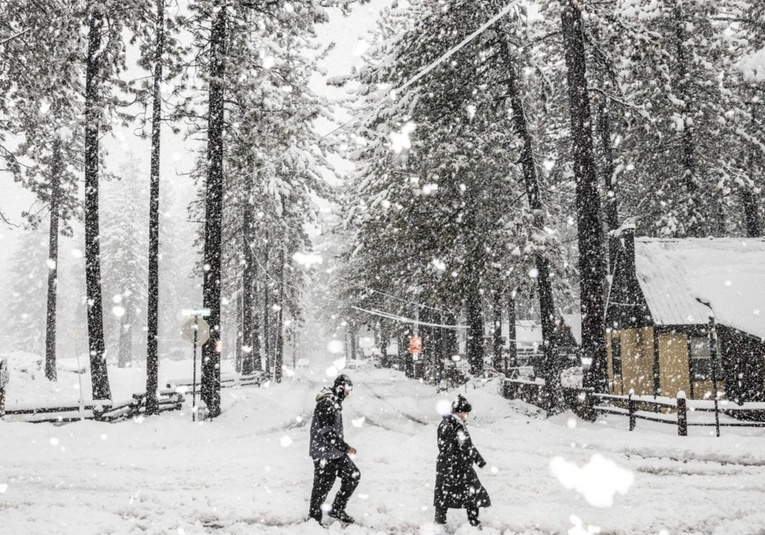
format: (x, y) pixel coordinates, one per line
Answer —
(661, 297)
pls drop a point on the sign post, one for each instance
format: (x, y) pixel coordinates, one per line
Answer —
(195, 331)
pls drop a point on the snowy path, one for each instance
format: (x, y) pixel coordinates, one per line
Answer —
(248, 472)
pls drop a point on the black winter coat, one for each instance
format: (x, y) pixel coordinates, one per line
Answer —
(457, 485)
(327, 427)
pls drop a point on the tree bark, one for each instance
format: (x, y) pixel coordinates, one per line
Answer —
(248, 280)
(279, 353)
(497, 332)
(98, 369)
(475, 327)
(210, 390)
(152, 316)
(749, 197)
(695, 224)
(553, 393)
(590, 231)
(55, 202)
(611, 207)
(512, 333)
(125, 354)
(266, 312)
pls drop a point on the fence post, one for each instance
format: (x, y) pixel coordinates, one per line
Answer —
(631, 409)
(682, 415)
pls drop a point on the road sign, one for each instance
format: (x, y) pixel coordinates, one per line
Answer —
(415, 344)
(202, 328)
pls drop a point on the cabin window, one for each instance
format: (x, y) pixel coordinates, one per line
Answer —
(701, 358)
(616, 355)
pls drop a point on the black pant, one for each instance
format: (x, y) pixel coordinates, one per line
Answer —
(472, 514)
(324, 474)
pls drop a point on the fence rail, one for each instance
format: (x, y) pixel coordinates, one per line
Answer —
(104, 411)
(226, 381)
(678, 411)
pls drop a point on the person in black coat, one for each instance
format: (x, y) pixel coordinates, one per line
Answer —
(329, 452)
(457, 485)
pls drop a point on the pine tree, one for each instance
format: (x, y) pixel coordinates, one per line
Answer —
(41, 109)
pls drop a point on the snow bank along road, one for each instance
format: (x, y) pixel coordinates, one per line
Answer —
(248, 471)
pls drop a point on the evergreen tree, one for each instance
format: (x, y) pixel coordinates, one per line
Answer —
(42, 111)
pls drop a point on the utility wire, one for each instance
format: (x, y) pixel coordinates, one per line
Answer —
(439, 61)
(404, 319)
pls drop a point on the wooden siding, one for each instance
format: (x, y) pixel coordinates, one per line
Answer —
(673, 364)
(637, 361)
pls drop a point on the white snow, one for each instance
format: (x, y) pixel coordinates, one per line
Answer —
(248, 471)
(686, 281)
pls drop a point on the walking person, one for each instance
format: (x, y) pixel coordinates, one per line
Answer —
(457, 485)
(330, 452)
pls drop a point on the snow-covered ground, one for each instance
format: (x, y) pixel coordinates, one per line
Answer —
(248, 471)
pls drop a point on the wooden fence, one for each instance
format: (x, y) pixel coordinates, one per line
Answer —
(104, 411)
(678, 411)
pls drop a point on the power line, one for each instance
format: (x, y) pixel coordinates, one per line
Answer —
(404, 319)
(437, 62)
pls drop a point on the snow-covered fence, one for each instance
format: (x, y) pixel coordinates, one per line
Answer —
(528, 390)
(226, 381)
(94, 410)
(679, 411)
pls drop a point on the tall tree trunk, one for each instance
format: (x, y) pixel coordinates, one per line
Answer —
(125, 354)
(55, 203)
(553, 393)
(210, 391)
(152, 316)
(475, 327)
(695, 224)
(611, 207)
(497, 333)
(512, 333)
(248, 280)
(266, 311)
(256, 351)
(279, 353)
(749, 197)
(590, 231)
(98, 370)
(238, 357)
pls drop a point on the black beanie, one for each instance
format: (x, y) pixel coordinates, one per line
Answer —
(461, 404)
(342, 380)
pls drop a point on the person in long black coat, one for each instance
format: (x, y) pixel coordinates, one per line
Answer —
(457, 484)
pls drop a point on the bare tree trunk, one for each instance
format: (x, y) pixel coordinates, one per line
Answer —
(210, 391)
(590, 231)
(475, 327)
(266, 311)
(125, 354)
(248, 281)
(279, 353)
(98, 370)
(611, 206)
(238, 350)
(695, 225)
(749, 197)
(152, 316)
(553, 393)
(497, 333)
(512, 333)
(55, 201)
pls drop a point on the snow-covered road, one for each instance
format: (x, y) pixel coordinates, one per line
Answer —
(248, 471)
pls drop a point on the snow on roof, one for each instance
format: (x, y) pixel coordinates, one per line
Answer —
(678, 277)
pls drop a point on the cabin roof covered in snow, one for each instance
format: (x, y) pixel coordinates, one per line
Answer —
(678, 276)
